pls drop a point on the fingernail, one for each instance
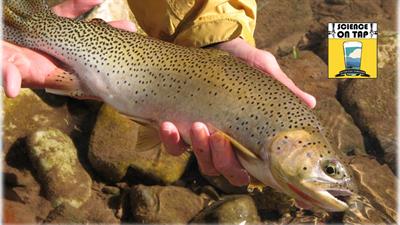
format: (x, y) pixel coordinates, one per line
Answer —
(198, 126)
(167, 128)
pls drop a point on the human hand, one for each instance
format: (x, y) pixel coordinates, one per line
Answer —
(213, 152)
(28, 68)
(265, 62)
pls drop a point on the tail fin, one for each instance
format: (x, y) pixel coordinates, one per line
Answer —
(16, 12)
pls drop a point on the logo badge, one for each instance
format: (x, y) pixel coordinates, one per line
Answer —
(352, 50)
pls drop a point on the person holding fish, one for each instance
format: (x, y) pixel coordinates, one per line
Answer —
(221, 24)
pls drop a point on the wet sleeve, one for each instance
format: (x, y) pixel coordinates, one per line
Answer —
(196, 22)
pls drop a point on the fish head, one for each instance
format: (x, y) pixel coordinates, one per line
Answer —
(305, 166)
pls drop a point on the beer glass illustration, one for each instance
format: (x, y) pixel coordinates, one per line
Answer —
(352, 55)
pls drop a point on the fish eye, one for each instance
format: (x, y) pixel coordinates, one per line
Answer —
(333, 169)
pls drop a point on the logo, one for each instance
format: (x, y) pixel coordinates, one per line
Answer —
(352, 50)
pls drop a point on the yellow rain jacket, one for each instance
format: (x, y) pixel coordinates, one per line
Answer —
(196, 22)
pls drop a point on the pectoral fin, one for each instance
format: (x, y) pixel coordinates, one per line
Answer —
(242, 150)
(67, 83)
(147, 139)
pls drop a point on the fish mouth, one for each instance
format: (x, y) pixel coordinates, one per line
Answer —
(335, 200)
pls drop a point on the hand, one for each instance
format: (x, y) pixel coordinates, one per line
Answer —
(28, 68)
(214, 154)
(265, 62)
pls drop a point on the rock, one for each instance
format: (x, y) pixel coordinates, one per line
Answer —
(102, 209)
(223, 184)
(20, 121)
(387, 46)
(339, 126)
(367, 10)
(112, 151)
(361, 211)
(111, 190)
(337, 2)
(372, 104)
(17, 213)
(309, 73)
(377, 183)
(54, 157)
(170, 204)
(277, 20)
(272, 204)
(65, 213)
(239, 209)
(308, 217)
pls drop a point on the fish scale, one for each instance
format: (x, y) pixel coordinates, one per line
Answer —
(155, 81)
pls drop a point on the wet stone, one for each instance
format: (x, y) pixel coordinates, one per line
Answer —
(112, 151)
(340, 127)
(54, 157)
(223, 184)
(377, 183)
(387, 43)
(66, 213)
(361, 211)
(372, 104)
(169, 204)
(277, 20)
(308, 217)
(17, 213)
(272, 204)
(233, 209)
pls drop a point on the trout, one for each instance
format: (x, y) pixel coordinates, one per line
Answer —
(277, 139)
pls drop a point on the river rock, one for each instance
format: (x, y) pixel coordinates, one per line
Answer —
(387, 47)
(340, 127)
(170, 204)
(367, 10)
(372, 104)
(17, 213)
(272, 204)
(377, 183)
(361, 211)
(223, 184)
(65, 213)
(277, 20)
(309, 73)
(54, 157)
(233, 209)
(308, 217)
(20, 120)
(112, 151)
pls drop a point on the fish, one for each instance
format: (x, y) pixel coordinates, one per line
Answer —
(276, 137)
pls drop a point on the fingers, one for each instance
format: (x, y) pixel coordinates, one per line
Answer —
(170, 137)
(266, 62)
(200, 141)
(74, 8)
(123, 25)
(11, 80)
(225, 161)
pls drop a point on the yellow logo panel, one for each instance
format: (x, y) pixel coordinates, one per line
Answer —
(352, 50)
